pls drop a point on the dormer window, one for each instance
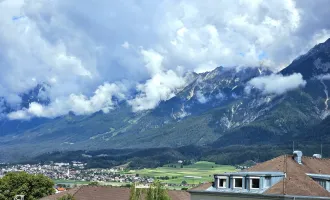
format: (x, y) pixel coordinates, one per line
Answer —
(238, 182)
(254, 183)
(222, 182)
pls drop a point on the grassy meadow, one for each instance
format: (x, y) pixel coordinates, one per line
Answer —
(198, 172)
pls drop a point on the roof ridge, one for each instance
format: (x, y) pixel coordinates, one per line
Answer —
(276, 158)
(311, 157)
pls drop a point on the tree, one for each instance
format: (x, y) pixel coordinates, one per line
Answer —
(67, 197)
(21, 183)
(156, 192)
(135, 194)
(93, 183)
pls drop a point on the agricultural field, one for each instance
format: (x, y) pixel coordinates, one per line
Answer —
(196, 173)
(70, 182)
(73, 183)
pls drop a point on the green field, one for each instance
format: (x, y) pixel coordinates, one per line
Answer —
(198, 172)
(70, 182)
(78, 183)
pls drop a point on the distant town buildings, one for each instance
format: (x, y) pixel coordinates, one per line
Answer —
(75, 171)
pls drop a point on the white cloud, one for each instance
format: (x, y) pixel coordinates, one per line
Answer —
(153, 61)
(205, 67)
(276, 83)
(162, 86)
(125, 45)
(323, 77)
(220, 96)
(201, 98)
(78, 104)
(74, 46)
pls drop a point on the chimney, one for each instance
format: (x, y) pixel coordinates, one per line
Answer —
(297, 156)
(317, 156)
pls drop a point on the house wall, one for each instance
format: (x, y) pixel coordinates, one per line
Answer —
(246, 181)
(218, 197)
(200, 196)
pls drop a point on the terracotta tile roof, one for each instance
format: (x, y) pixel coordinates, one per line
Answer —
(179, 195)
(201, 187)
(61, 189)
(58, 195)
(316, 165)
(102, 192)
(111, 193)
(288, 164)
(297, 182)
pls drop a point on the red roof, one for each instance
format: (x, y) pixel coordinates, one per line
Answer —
(297, 182)
(61, 189)
(110, 193)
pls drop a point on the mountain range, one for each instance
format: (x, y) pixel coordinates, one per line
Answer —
(213, 110)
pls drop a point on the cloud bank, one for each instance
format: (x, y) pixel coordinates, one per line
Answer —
(276, 83)
(75, 47)
(78, 104)
(162, 86)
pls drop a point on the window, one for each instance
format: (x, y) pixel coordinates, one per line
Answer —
(323, 183)
(254, 183)
(238, 182)
(222, 183)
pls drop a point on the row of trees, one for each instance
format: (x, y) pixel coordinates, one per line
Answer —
(154, 192)
(34, 187)
(21, 183)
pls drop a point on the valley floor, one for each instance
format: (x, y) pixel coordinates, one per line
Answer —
(173, 176)
(196, 173)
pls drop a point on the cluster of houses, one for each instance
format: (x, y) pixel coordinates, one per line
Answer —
(74, 171)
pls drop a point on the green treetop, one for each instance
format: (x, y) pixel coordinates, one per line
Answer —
(21, 183)
(154, 192)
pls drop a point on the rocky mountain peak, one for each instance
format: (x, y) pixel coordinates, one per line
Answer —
(315, 62)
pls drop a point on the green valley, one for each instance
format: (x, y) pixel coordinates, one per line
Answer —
(198, 172)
